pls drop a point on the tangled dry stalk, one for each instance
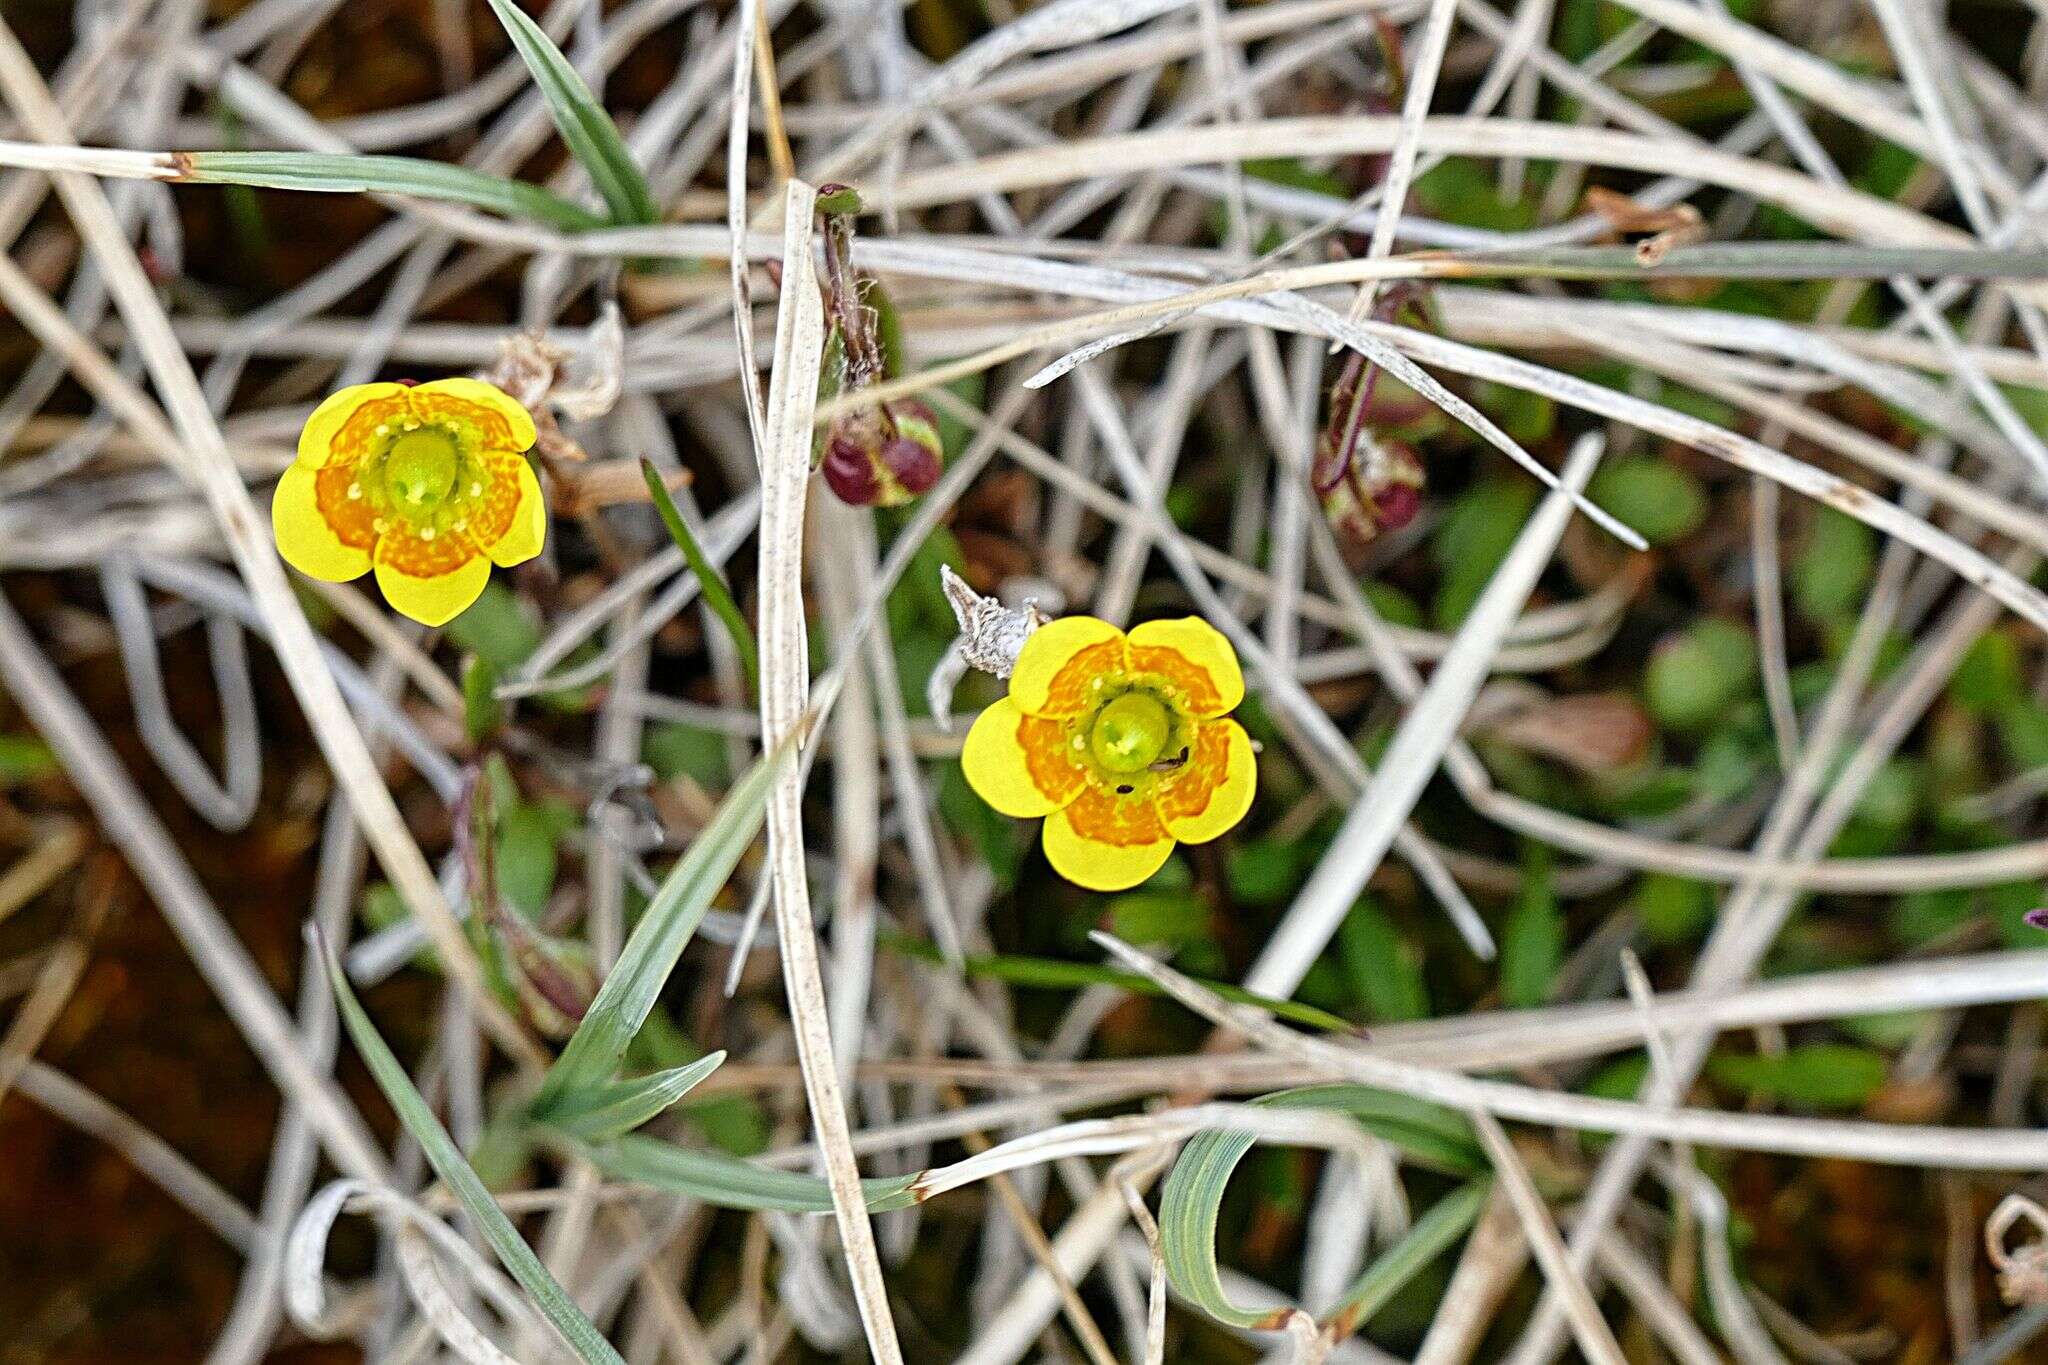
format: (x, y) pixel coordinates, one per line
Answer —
(1114, 231)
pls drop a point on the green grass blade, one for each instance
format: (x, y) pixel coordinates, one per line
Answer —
(732, 1183)
(448, 1163)
(710, 582)
(672, 916)
(1428, 1238)
(612, 1111)
(1193, 1197)
(592, 138)
(329, 173)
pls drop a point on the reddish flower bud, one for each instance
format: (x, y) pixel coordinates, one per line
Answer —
(1378, 490)
(883, 458)
(1396, 505)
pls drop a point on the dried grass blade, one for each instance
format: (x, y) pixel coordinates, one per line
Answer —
(785, 680)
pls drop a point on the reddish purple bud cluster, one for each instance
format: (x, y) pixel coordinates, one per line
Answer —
(1378, 489)
(883, 457)
(887, 453)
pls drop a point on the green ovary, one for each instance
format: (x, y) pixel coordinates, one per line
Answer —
(1130, 733)
(420, 469)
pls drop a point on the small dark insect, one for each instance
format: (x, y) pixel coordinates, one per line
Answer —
(1167, 765)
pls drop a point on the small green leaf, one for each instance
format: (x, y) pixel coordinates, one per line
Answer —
(483, 715)
(496, 628)
(1893, 796)
(612, 1111)
(2023, 730)
(446, 1159)
(591, 136)
(1532, 940)
(839, 201)
(335, 173)
(1919, 916)
(1818, 1075)
(1158, 918)
(1475, 536)
(676, 749)
(527, 834)
(1673, 909)
(1834, 567)
(1655, 497)
(1620, 1079)
(1989, 677)
(1261, 871)
(1694, 676)
(1383, 968)
(24, 758)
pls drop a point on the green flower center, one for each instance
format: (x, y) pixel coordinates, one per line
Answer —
(420, 468)
(1130, 733)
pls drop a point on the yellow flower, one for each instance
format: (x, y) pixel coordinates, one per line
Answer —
(426, 484)
(1120, 742)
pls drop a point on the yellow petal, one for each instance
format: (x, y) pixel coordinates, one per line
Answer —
(1018, 763)
(1212, 792)
(1059, 661)
(1106, 843)
(304, 537)
(1195, 658)
(487, 396)
(528, 530)
(316, 438)
(434, 600)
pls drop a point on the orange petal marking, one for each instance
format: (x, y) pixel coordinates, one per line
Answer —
(1188, 792)
(492, 428)
(491, 512)
(405, 550)
(351, 519)
(1182, 674)
(1046, 758)
(357, 436)
(1120, 822)
(1068, 693)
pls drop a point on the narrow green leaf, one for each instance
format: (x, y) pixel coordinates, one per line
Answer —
(483, 715)
(1193, 1197)
(1532, 940)
(1381, 965)
(331, 173)
(672, 916)
(611, 1111)
(592, 138)
(728, 1182)
(1819, 1075)
(710, 582)
(1429, 1237)
(448, 1163)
